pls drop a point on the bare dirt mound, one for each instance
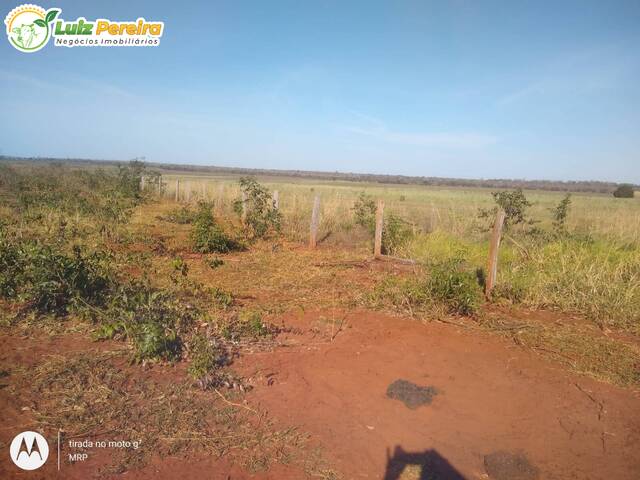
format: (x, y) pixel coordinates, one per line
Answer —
(492, 397)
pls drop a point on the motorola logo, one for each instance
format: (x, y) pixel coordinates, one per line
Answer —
(29, 450)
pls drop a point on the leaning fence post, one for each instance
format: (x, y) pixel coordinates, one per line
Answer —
(276, 199)
(315, 216)
(492, 268)
(177, 190)
(377, 248)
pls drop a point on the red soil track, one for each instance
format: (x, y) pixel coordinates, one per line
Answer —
(492, 396)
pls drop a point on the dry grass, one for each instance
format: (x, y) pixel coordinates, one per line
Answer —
(93, 395)
(582, 349)
(450, 210)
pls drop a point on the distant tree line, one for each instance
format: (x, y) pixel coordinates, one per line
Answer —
(550, 185)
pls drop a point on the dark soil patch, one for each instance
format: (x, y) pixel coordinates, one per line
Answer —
(510, 466)
(410, 394)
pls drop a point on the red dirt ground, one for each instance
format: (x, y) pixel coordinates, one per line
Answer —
(492, 396)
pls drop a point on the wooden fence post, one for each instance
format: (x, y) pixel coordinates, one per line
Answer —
(142, 184)
(377, 248)
(315, 217)
(187, 191)
(177, 190)
(276, 199)
(492, 267)
(159, 185)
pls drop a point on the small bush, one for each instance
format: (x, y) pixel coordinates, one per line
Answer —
(59, 280)
(51, 280)
(180, 266)
(262, 217)
(206, 356)
(129, 177)
(448, 287)
(153, 320)
(455, 287)
(396, 233)
(365, 212)
(207, 236)
(624, 191)
(221, 298)
(214, 262)
(248, 325)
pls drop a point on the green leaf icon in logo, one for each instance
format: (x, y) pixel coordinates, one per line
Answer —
(39, 22)
(51, 15)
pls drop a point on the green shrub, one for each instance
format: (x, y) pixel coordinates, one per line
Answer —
(51, 280)
(221, 298)
(153, 320)
(180, 266)
(129, 177)
(36, 192)
(214, 262)
(248, 325)
(455, 287)
(206, 356)
(12, 266)
(262, 217)
(448, 287)
(396, 233)
(364, 211)
(59, 281)
(207, 236)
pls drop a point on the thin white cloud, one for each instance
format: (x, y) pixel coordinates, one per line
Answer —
(584, 72)
(69, 85)
(378, 130)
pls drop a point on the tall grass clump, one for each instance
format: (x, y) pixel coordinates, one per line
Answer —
(595, 278)
(449, 287)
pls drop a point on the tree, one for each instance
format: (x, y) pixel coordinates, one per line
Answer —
(514, 204)
(561, 212)
(624, 191)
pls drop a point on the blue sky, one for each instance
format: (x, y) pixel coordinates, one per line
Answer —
(471, 89)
